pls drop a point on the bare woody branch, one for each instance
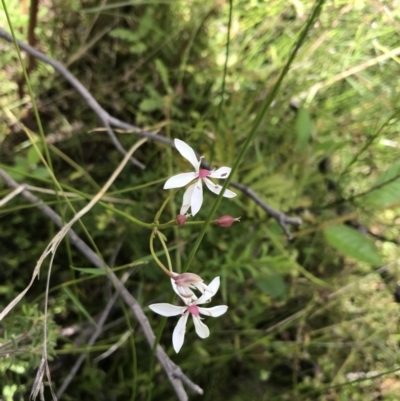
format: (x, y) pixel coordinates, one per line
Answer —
(174, 372)
(283, 220)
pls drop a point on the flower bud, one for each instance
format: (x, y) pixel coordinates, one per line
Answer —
(181, 219)
(226, 221)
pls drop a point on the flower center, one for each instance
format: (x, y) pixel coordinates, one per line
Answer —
(194, 310)
(204, 173)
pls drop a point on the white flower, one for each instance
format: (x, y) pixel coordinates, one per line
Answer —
(193, 196)
(191, 307)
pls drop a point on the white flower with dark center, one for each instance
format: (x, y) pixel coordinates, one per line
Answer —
(191, 308)
(193, 196)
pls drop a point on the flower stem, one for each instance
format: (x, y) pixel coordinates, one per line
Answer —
(155, 257)
(164, 245)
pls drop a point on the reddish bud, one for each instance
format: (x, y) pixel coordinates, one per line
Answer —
(226, 221)
(181, 219)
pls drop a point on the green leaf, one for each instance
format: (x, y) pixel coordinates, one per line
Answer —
(138, 48)
(124, 34)
(33, 155)
(388, 192)
(41, 172)
(352, 243)
(272, 284)
(148, 105)
(21, 163)
(303, 129)
(163, 72)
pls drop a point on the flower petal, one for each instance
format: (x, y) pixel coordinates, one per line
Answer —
(167, 309)
(197, 197)
(178, 335)
(213, 288)
(217, 189)
(187, 196)
(188, 153)
(201, 329)
(215, 311)
(221, 173)
(179, 180)
(187, 300)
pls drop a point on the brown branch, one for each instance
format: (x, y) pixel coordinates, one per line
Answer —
(283, 220)
(174, 372)
(33, 12)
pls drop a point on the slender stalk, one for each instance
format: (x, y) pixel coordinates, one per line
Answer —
(155, 257)
(228, 42)
(164, 245)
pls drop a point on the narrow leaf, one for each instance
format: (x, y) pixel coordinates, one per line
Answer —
(91, 270)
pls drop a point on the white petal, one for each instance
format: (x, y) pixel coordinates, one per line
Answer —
(179, 180)
(201, 287)
(222, 173)
(215, 311)
(197, 197)
(187, 300)
(213, 287)
(201, 329)
(178, 335)
(167, 309)
(187, 196)
(187, 152)
(217, 189)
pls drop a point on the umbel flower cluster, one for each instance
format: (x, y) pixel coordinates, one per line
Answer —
(185, 284)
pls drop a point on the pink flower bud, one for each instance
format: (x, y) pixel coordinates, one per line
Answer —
(226, 221)
(181, 219)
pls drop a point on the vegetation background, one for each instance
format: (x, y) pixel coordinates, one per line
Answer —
(314, 318)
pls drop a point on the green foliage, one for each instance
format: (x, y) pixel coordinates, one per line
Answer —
(352, 243)
(386, 189)
(303, 321)
(272, 284)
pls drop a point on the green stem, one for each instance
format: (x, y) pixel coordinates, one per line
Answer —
(225, 66)
(155, 257)
(164, 245)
